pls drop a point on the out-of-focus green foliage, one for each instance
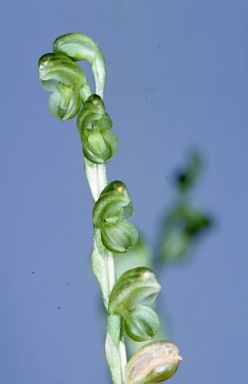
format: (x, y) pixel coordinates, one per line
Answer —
(180, 229)
(181, 226)
(183, 223)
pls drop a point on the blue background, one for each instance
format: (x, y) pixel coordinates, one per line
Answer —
(177, 80)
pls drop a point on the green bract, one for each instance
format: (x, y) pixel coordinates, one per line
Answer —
(155, 362)
(94, 124)
(131, 293)
(81, 47)
(68, 82)
(109, 215)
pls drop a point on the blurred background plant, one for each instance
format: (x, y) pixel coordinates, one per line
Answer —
(180, 229)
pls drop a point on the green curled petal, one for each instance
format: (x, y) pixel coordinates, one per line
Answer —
(78, 46)
(94, 124)
(64, 103)
(119, 237)
(54, 105)
(65, 78)
(99, 147)
(59, 68)
(155, 362)
(49, 85)
(137, 286)
(141, 324)
(96, 144)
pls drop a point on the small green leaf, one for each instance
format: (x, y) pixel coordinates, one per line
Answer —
(155, 362)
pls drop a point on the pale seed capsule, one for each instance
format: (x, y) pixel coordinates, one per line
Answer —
(155, 362)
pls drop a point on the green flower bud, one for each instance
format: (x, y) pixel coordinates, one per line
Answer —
(109, 215)
(137, 286)
(131, 293)
(155, 362)
(81, 47)
(94, 124)
(68, 82)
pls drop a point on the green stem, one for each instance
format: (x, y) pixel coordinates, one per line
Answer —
(96, 176)
(103, 267)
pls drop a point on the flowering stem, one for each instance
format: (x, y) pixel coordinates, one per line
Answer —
(125, 299)
(104, 270)
(96, 176)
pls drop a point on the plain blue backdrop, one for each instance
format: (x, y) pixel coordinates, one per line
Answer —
(177, 80)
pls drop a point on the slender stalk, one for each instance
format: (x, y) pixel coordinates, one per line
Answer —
(96, 176)
(103, 267)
